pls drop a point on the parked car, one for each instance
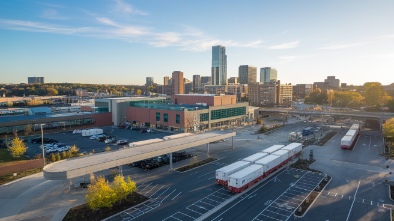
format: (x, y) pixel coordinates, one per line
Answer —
(110, 140)
(121, 142)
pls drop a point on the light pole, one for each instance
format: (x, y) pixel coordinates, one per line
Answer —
(42, 143)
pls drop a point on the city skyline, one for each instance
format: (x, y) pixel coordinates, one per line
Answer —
(123, 42)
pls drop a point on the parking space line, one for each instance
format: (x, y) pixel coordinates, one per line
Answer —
(155, 191)
(167, 196)
(269, 217)
(151, 189)
(351, 207)
(176, 196)
(162, 193)
(207, 203)
(193, 210)
(145, 187)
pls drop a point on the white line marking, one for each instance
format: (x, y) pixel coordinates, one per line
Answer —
(176, 196)
(348, 215)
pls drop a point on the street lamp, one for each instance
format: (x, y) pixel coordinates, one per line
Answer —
(42, 143)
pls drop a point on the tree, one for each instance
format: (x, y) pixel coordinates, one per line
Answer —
(17, 147)
(52, 91)
(120, 187)
(74, 150)
(100, 194)
(53, 157)
(316, 97)
(388, 129)
(107, 148)
(28, 129)
(58, 157)
(191, 120)
(138, 92)
(373, 92)
(347, 98)
(390, 105)
(64, 155)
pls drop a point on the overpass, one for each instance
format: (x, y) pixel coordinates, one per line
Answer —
(75, 167)
(373, 115)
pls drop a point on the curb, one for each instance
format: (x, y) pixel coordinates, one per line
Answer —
(306, 211)
(20, 179)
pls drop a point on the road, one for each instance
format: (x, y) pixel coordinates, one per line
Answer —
(356, 192)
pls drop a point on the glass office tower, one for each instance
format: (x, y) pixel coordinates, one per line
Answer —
(219, 65)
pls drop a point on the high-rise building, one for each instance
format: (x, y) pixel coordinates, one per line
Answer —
(178, 86)
(35, 80)
(206, 80)
(268, 74)
(263, 94)
(166, 78)
(197, 83)
(247, 74)
(219, 65)
(149, 81)
(233, 80)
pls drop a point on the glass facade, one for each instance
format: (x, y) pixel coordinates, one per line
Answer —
(204, 117)
(165, 117)
(178, 119)
(219, 65)
(230, 112)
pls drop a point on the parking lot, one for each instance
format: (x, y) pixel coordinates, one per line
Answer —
(87, 145)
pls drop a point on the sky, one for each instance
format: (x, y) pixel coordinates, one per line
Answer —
(125, 41)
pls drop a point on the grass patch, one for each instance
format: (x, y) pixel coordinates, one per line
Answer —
(7, 159)
(194, 165)
(10, 177)
(83, 213)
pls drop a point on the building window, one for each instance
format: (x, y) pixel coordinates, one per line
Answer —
(204, 117)
(157, 116)
(165, 117)
(226, 113)
(178, 119)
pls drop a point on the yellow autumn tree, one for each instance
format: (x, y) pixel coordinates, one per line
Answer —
(120, 187)
(100, 194)
(388, 129)
(17, 147)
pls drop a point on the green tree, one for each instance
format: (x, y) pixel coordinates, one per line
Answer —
(347, 99)
(388, 129)
(390, 105)
(316, 97)
(52, 91)
(373, 92)
(138, 92)
(100, 194)
(17, 147)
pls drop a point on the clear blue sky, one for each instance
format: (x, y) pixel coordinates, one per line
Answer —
(124, 41)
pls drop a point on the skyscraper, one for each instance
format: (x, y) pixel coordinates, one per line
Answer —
(267, 74)
(35, 80)
(178, 86)
(196, 83)
(219, 65)
(247, 74)
(149, 81)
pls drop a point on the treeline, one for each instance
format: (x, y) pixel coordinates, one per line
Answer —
(69, 89)
(371, 95)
